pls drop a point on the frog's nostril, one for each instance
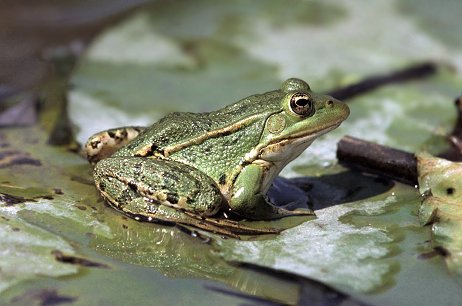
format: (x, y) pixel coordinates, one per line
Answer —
(329, 103)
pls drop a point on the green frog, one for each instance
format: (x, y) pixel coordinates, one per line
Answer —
(194, 169)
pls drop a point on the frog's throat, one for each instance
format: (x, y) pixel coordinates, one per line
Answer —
(288, 149)
(276, 156)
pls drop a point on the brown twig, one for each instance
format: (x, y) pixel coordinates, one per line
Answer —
(374, 158)
(396, 164)
(419, 71)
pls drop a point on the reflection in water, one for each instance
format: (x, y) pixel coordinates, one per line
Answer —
(176, 254)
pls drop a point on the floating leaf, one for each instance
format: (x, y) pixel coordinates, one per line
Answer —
(221, 52)
(317, 249)
(27, 251)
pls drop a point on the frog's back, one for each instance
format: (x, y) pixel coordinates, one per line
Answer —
(170, 130)
(179, 127)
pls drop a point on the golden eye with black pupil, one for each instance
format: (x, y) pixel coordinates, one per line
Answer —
(301, 104)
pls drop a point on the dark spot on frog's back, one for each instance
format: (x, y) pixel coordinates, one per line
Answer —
(226, 133)
(222, 179)
(111, 134)
(172, 198)
(133, 186)
(207, 148)
(102, 186)
(154, 148)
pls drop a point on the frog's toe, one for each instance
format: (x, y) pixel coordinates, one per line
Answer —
(281, 212)
(303, 211)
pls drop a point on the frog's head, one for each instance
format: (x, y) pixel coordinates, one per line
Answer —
(303, 116)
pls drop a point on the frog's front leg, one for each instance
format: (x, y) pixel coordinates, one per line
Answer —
(248, 200)
(103, 144)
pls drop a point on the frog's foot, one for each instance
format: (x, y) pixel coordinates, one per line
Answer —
(274, 212)
(226, 226)
(260, 209)
(298, 212)
(104, 144)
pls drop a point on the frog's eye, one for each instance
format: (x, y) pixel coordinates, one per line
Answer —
(301, 104)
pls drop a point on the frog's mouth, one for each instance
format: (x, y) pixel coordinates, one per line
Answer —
(288, 149)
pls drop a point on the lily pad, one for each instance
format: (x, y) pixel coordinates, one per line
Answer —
(299, 249)
(27, 249)
(222, 53)
(27, 252)
(202, 55)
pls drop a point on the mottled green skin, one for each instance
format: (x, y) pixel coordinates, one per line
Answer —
(187, 167)
(218, 155)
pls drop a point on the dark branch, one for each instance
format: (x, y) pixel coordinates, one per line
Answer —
(407, 74)
(393, 163)
(370, 157)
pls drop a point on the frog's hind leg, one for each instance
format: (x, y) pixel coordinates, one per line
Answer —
(104, 144)
(160, 182)
(166, 191)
